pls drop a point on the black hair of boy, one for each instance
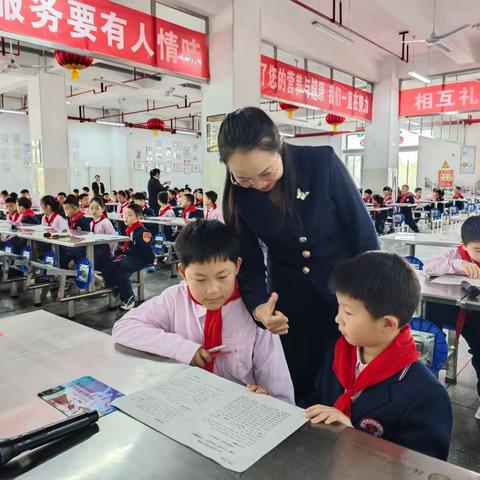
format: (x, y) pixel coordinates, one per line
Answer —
(10, 200)
(212, 196)
(367, 191)
(189, 197)
(387, 189)
(205, 241)
(24, 191)
(163, 197)
(471, 230)
(14, 195)
(72, 201)
(139, 196)
(62, 193)
(86, 189)
(82, 196)
(418, 189)
(137, 209)
(76, 190)
(4, 193)
(24, 202)
(384, 282)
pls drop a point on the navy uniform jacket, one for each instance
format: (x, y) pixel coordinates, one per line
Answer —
(148, 212)
(82, 224)
(139, 252)
(411, 408)
(30, 220)
(336, 226)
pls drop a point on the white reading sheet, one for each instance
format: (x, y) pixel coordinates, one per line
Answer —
(215, 417)
(456, 280)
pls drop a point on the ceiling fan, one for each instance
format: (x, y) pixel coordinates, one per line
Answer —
(435, 40)
(12, 65)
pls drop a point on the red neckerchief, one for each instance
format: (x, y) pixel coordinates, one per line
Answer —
(75, 219)
(388, 199)
(456, 196)
(417, 197)
(212, 328)
(190, 209)
(214, 206)
(164, 210)
(368, 199)
(404, 197)
(94, 222)
(130, 229)
(49, 220)
(398, 355)
(14, 217)
(462, 313)
(123, 206)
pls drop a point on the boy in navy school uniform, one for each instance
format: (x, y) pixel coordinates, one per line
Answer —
(137, 254)
(372, 380)
(76, 222)
(140, 199)
(26, 216)
(189, 211)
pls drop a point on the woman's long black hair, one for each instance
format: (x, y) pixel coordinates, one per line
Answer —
(249, 129)
(53, 203)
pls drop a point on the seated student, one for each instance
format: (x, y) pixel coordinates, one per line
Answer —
(372, 379)
(62, 196)
(463, 260)
(458, 195)
(100, 224)
(140, 199)
(418, 194)
(53, 214)
(188, 319)
(172, 198)
(367, 196)
(198, 195)
(86, 190)
(3, 196)
(137, 254)
(84, 201)
(166, 209)
(212, 210)
(387, 195)
(76, 192)
(123, 202)
(106, 197)
(380, 216)
(12, 212)
(26, 214)
(406, 197)
(114, 196)
(189, 210)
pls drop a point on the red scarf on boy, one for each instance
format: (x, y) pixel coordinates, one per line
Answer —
(130, 229)
(462, 313)
(398, 355)
(49, 219)
(164, 210)
(73, 220)
(190, 209)
(94, 222)
(212, 328)
(404, 196)
(26, 213)
(387, 199)
(13, 217)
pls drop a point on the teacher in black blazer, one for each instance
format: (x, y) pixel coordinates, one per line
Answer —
(303, 205)
(98, 187)
(154, 188)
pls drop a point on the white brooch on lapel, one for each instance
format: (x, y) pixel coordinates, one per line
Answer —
(302, 195)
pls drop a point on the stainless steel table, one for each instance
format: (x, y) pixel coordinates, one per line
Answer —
(40, 350)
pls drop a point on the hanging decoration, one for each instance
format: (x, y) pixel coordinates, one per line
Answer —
(73, 62)
(334, 120)
(289, 108)
(156, 125)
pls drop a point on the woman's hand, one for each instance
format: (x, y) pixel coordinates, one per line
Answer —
(326, 415)
(274, 321)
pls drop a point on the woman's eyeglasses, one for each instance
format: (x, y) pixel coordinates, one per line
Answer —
(265, 178)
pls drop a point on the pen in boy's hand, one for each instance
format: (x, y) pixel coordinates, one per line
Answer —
(216, 349)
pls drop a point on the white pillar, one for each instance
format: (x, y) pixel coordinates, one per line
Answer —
(235, 47)
(382, 135)
(48, 124)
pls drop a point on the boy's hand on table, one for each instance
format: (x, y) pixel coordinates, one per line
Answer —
(200, 358)
(327, 415)
(257, 389)
(274, 320)
(470, 269)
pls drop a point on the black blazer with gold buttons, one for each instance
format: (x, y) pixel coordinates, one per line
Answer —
(334, 226)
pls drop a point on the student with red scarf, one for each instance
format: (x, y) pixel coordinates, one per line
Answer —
(407, 197)
(188, 320)
(373, 380)
(189, 211)
(462, 260)
(26, 214)
(368, 196)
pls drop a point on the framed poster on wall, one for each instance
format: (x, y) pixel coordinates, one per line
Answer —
(213, 126)
(467, 159)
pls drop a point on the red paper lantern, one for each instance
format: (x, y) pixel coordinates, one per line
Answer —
(334, 120)
(73, 62)
(289, 109)
(156, 124)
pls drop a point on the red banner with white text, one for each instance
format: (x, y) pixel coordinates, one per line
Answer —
(105, 27)
(453, 97)
(292, 84)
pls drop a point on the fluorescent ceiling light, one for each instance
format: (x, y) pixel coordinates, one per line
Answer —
(417, 76)
(16, 112)
(286, 134)
(112, 124)
(332, 33)
(185, 132)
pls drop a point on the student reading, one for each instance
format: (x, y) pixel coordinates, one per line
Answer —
(188, 320)
(372, 379)
(302, 203)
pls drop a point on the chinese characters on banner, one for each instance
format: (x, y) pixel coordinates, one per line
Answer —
(292, 84)
(101, 26)
(462, 97)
